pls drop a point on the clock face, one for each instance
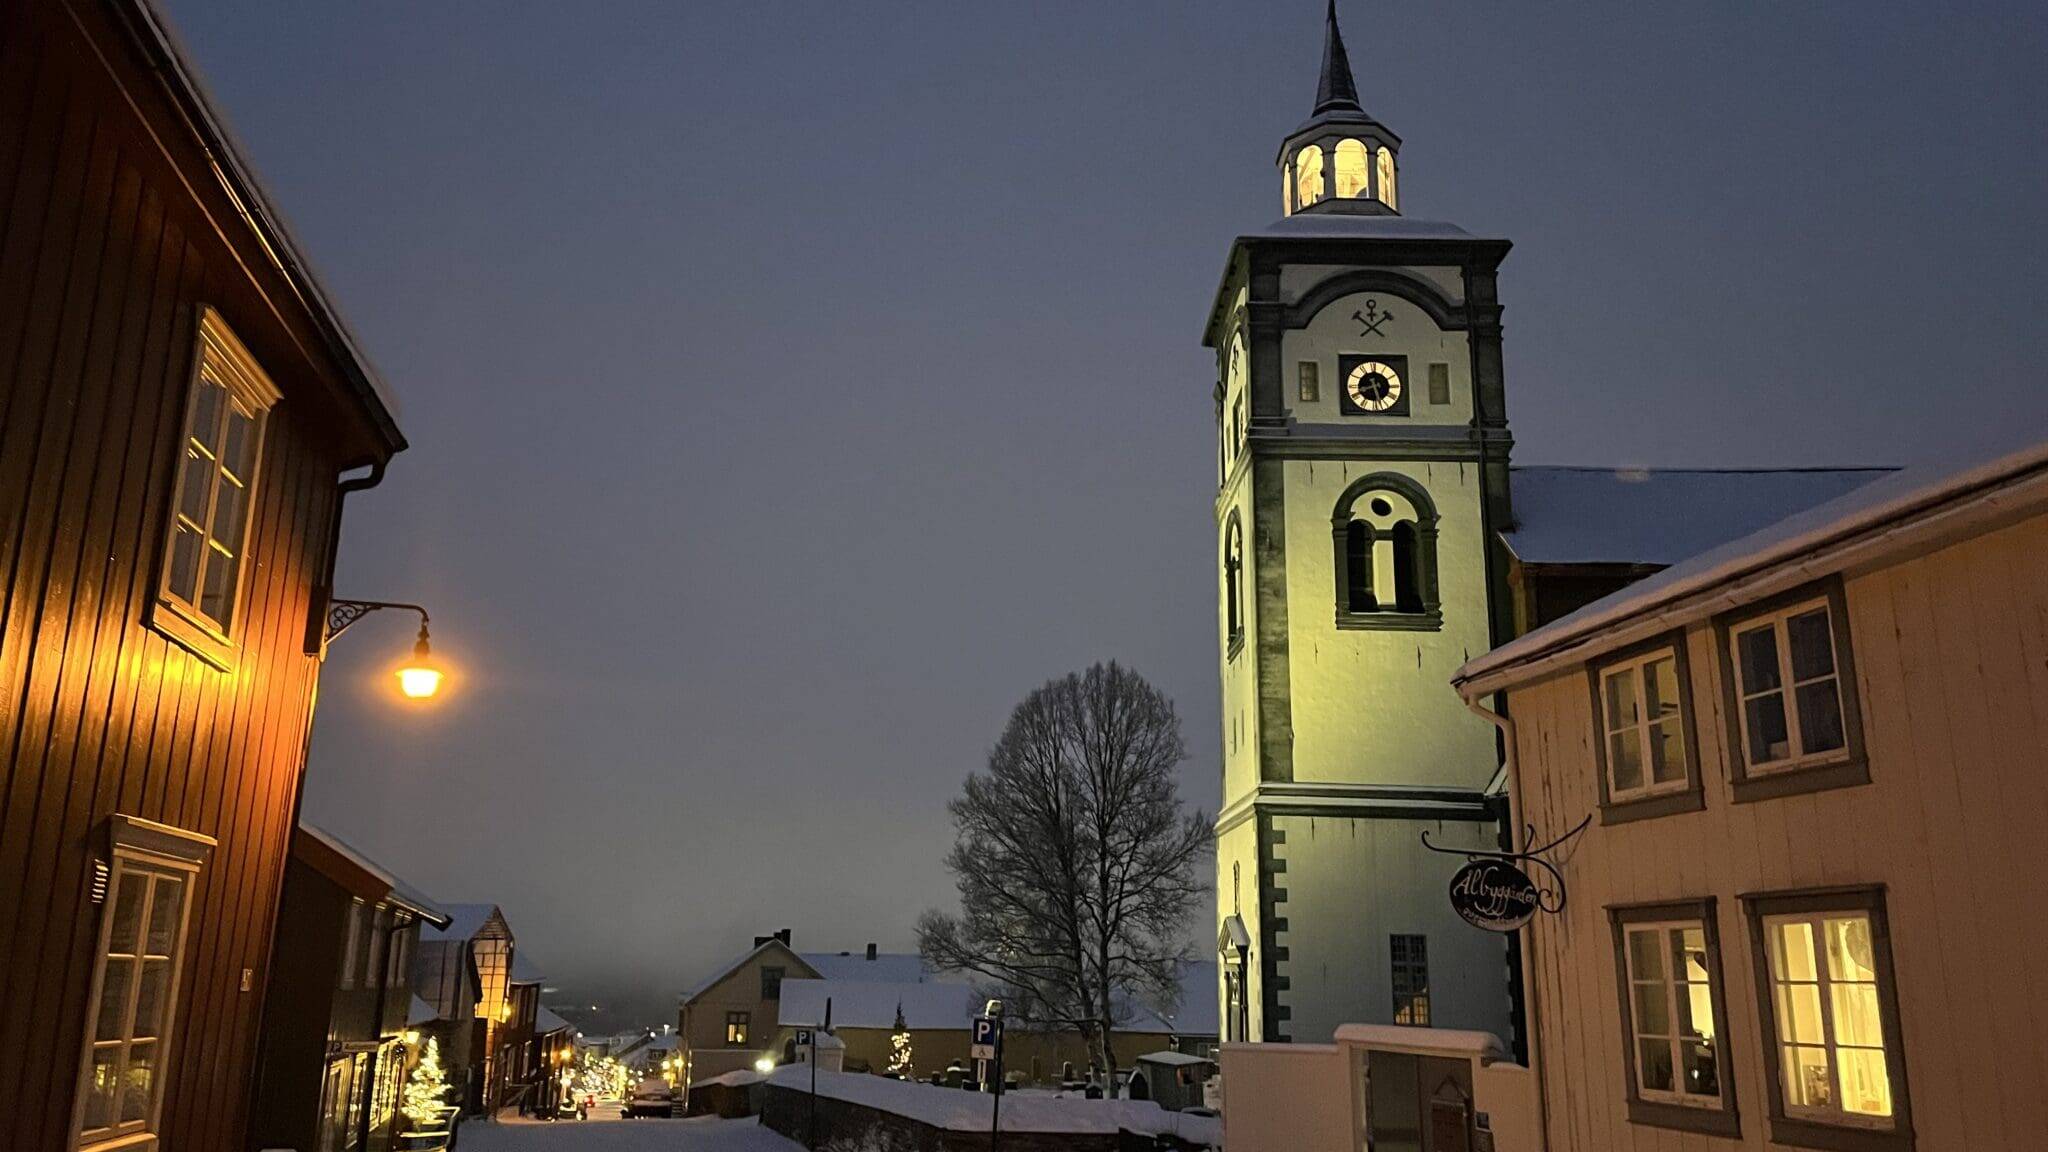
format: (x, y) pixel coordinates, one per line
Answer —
(1374, 386)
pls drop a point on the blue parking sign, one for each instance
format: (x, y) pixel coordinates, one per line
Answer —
(982, 1043)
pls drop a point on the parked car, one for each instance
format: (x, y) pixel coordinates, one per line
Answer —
(653, 1097)
(571, 1108)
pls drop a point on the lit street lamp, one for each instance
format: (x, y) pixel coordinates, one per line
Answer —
(420, 677)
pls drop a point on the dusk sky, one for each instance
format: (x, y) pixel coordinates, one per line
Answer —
(793, 387)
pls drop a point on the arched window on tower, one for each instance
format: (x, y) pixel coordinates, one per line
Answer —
(1286, 190)
(1233, 584)
(1385, 534)
(1353, 168)
(1387, 177)
(1308, 176)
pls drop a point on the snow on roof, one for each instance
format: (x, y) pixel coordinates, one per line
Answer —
(957, 1111)
(1484, 1045)
(737, 1078)
(1805, 535)
(704, 985)
(873, 1003)
(525, 970)
(464, 921)
(547, 1020)
(894, 967)
(1658, 515)
(401, 892)
(421, 1012)
(1174, 1059)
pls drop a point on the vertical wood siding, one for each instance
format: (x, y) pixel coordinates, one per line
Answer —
(1951, 655)
(106, 255)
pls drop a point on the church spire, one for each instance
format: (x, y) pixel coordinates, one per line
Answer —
(1336, 91)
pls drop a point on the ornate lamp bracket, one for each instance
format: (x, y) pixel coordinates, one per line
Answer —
(342, 613)
(1551, 894)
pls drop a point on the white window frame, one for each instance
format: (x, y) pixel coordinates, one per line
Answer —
(1788, 688)
(351, 930)
(1670, 984)
(1825, 979)
(139, 848)
(1639, 667)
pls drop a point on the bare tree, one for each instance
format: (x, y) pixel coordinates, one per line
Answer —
(1076, 865)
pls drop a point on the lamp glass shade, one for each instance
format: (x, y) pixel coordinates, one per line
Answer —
(419, 681)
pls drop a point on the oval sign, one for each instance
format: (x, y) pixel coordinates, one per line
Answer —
(1494, 895)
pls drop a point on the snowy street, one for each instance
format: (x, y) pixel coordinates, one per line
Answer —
(609, 1133)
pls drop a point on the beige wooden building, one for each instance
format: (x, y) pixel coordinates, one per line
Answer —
(1810, 907)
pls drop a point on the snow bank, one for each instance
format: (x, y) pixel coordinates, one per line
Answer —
(958, 1110)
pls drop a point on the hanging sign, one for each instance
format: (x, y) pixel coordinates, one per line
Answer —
(1494, 895)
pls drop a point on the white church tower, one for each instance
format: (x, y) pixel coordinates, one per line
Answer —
(1362, 458)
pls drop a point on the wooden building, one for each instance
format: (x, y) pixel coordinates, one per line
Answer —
(485, 999)
(333, 1055)
(178, 405)
(1808, 909)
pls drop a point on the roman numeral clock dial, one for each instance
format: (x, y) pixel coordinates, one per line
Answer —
(1373, 386)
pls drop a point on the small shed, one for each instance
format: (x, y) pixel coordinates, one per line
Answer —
(1172, 1080)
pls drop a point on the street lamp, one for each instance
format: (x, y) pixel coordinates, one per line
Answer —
(419, 678)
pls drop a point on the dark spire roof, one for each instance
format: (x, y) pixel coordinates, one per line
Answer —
(1336, 91)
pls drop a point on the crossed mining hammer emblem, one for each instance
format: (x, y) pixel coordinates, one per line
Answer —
(1372, 318)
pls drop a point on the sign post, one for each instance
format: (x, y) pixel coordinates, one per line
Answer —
(986, 1044)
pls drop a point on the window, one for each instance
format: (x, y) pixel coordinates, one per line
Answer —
(1410, 957)
(1642, 731)
(1233, 584)
(1831, 1011)
(771, 983)
(1792, 697)
(1439, 383)
(1385, 531)
(374, 956)
(1308, 176)
(1386, 158)
(1674, 1017)
(1309, 389)
(736, 1029)
(201, 577)
(397, 971)
(135, 984)
(351, 931)
(1354, 168)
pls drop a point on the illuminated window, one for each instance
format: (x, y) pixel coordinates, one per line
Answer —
(135, 984)
(202, 571)
(1353, 168)
(1386, 157)
(736, 1029)
(1410, 958)
(1788, 690)
(493, 958)
(1642, 726)
(1831, 1011)
(1671, 1013)
(1286, 191)
(1308, 176)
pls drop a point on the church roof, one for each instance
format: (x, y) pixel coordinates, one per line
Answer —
(1335, 90)
(1658, 516)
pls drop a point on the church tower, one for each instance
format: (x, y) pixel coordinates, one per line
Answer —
(1362, 468)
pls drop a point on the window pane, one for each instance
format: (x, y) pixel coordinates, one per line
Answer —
(119, 979)
(184, 582)
(136, 1081)
(1850, 956)
(1856, 1018)
(238, 456)
(1768, 737)
(129, 888)
(228, 517)
(195, 481)
(1625, 761)
(1660, 687)
(1351, 170)
(1653, 1015)
(1813, 653)
(1866, 1085)
(1621, 701)
(1820, 716)
(1646, 954)
(1308, 175)
(1701, 1076)
(99, 1088)
(166, 902)
(1757, 659)
(1667, 752)
(149, 998)
(206, 406)
(1689, 954)
(218, 601)
(1653, 1065)
(1799, 1014)
(1806, 1078)
(1792, 951)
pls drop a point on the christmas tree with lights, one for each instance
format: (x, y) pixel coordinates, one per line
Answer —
(426, 1090)
(899, 1049)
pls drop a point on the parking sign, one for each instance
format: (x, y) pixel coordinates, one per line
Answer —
(982, 1044)
(803, 1037)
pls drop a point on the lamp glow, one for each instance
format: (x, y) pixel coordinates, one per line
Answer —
(419, 679)
(765, 1064)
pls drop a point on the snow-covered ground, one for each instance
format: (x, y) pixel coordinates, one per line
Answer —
(607, 1133)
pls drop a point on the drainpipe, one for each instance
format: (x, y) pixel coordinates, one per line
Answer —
(1506, 726)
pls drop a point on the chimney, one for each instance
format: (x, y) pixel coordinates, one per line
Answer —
(871, 953)
(782, 934)
(760, 940)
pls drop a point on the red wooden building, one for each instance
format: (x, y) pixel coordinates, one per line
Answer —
(178, 406)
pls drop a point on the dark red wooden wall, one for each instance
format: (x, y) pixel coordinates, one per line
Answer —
(113, 232)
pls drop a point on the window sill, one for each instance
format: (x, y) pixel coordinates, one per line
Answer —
(1684, 1118)
(1652, 807)
(1839, 1137)
(188, 633)
(133, 1142)
(1430, 621)
(1817, 777)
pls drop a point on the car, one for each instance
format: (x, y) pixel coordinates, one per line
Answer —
(653, 1097)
